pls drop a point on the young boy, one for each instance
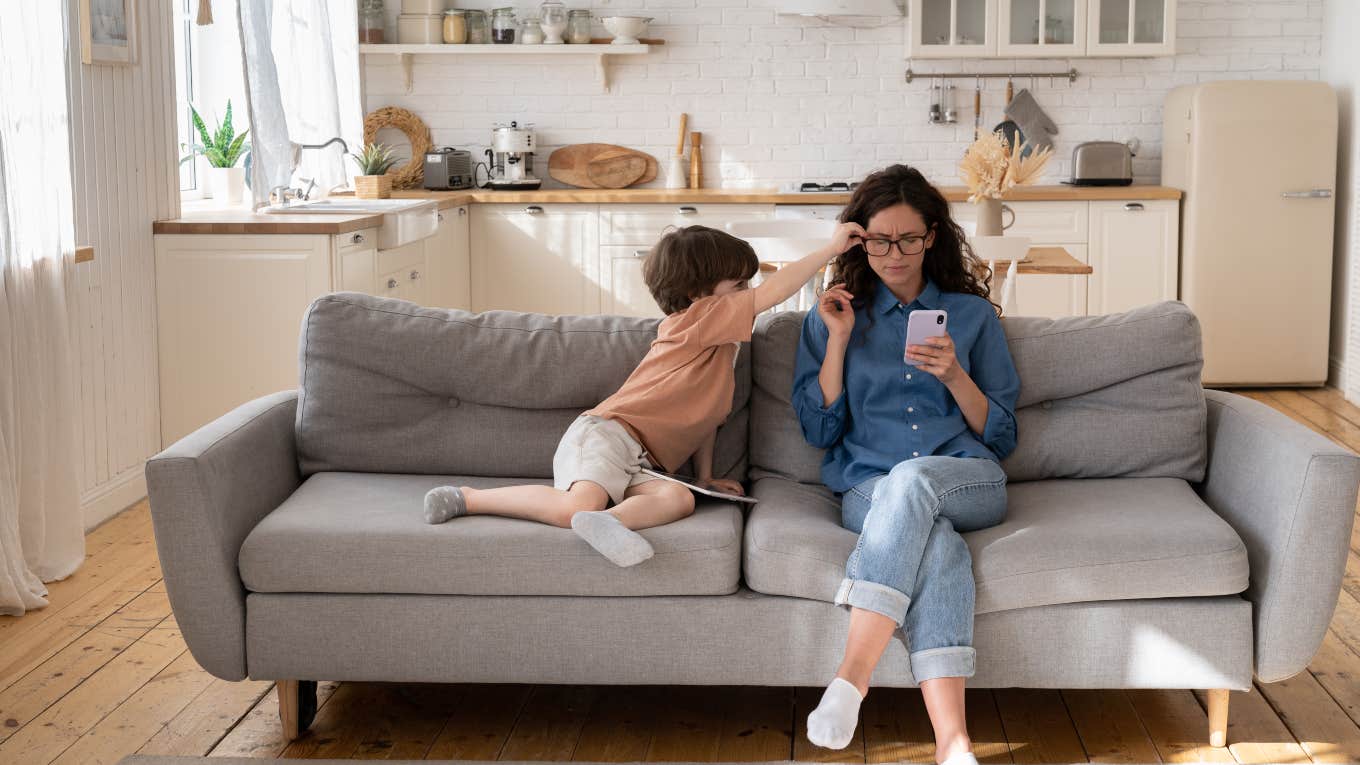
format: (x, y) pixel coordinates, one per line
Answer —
(668, 409)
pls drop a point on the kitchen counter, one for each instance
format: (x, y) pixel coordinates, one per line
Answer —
(246, 222)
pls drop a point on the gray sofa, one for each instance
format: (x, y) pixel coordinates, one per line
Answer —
(1158, 536)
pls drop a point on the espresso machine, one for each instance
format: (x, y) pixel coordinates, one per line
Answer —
(510, 160)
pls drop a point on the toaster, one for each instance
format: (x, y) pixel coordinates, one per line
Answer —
(448, 168)
(1102, 163)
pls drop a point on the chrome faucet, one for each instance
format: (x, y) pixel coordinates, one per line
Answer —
(343, 146)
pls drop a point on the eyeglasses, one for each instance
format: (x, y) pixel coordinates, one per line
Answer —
(907, 245)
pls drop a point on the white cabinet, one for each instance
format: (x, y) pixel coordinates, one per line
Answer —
(541, 258)
(448, 279)
(228, 313)
(622, 288)
(1134, 254)
(402, 274)
(951, 28)
(1131, 28)
(1041, 28)
(1047, 224)
(1053, 295)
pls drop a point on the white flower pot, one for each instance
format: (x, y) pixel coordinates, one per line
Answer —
(226, 185)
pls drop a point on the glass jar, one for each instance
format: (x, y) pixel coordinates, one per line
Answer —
(554, 22)
(503, 26)
(477, 32)
(371, 22)
(531, 32)
(455, 26)
(578, 27)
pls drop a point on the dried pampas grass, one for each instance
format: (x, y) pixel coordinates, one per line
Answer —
(992, 166)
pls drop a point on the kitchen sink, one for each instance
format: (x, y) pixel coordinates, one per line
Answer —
(403, 220)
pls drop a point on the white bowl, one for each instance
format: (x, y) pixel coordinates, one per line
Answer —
(626, 29)
(999, 247)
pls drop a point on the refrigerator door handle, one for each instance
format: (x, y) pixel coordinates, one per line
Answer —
(1310, 194)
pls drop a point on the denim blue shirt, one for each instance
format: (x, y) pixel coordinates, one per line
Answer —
(890, 411)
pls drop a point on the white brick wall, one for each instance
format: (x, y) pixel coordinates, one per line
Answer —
(786, 98)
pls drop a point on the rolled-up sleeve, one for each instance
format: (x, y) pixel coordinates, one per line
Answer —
(822, 425)
(995, 375)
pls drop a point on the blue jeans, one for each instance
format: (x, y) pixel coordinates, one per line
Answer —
(911, 565)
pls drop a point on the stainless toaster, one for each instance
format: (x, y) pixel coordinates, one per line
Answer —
(1102, 163)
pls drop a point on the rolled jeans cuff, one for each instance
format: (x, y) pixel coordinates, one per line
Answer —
(872, 596)
(949, 661)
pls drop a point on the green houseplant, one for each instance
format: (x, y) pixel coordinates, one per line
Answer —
(223, 148)
(374, 160)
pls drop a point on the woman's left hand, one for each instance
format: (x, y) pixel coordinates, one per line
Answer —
(937, 357)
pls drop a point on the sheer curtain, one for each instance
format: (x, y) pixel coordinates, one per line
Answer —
(41, 532)
(302, 85)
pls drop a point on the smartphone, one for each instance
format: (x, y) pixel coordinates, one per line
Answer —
(921, 325)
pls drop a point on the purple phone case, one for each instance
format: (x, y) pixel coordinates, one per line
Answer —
(921, 325)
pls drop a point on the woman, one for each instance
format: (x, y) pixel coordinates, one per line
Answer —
(913, 445)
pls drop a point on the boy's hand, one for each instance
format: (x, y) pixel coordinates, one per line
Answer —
(724, 485)
(836, 312)
(847, 235)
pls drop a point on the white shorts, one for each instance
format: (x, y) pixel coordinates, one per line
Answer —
(603, 451)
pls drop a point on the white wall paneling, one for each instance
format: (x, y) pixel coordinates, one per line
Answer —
(125, 177)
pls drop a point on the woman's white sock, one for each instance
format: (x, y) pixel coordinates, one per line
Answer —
(832, 724)
(962, 758)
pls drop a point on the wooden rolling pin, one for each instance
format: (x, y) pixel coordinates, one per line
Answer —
(696, 176)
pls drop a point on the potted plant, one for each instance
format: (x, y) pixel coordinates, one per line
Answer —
(373, 182)
(223, 148)
(991, 167)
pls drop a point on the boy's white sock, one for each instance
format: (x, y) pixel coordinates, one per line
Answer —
(615, 541)
(832, 724)
(962, 758)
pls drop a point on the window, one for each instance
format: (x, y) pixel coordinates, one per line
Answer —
(184, 93)
(207, 76)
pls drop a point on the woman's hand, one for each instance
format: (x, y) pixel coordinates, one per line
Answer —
(937, 357)
(847, 235)
(724, 485)
(836, 312)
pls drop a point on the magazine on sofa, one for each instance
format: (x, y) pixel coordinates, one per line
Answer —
(688, 481)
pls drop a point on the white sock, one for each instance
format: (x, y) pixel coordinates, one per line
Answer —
(832, 724)
(962, 758)
(615, 541)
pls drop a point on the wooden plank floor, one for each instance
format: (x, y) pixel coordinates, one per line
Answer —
(103, 672)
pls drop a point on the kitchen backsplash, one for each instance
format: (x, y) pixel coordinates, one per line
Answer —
(781, 99)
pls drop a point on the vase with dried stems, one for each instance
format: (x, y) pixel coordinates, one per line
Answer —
(374, 160)
(991, 167)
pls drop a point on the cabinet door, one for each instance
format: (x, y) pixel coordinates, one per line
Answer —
(1131, 28)
(1134, 254)
(228, 310)
(1060, 223)
(537, 258)
(951, 28)
(1041, 28)
(622, 290)
(644, 224)
(447, 262)
(355, 261)
(1052, 295)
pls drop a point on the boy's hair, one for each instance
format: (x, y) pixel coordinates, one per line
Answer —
(692, 261)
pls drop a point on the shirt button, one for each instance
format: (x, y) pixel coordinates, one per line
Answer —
(913, 427)
(909, 409)
(916, 454)
(908, 377)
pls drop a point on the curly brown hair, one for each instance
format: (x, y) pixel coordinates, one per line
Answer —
(949, 262)
(692, 261)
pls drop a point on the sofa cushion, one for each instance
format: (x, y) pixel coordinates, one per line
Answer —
(390, 387)
(1063, 541)
(363, 532)
(1100, 397)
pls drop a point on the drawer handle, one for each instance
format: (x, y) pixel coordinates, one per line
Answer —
(391, 284)
(689, 211)
(415, 275)
(534, 210)
(1133, 206)
(357, 239)
(1311, 194)
(640, 253)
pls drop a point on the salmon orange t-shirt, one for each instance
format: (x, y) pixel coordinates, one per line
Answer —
(682, 389)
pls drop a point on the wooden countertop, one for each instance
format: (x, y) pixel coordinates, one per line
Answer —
(246, 222)
(1045, 260)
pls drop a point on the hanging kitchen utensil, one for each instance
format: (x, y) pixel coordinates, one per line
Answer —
(977, 109)
(1034, 124)
(1008, 129)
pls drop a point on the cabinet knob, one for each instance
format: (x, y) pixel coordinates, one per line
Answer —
(391, 284)
(1133, 206)
(534, 210)
(462, 211)
(441, 217)
(689, 210)
(357, 239)
(415, 275)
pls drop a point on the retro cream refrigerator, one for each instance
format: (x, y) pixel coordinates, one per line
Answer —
(1256, 161)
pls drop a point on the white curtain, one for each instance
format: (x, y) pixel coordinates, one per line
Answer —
(41, 532)
(302, 86)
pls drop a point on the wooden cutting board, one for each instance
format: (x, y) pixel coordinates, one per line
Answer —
(601, 166)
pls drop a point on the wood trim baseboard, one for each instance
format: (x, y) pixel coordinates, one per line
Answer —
(113, 497)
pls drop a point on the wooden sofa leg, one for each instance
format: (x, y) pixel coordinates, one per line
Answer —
(297, 706)
(1218, 717)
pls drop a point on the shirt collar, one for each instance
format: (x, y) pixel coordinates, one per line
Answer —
(885, 301)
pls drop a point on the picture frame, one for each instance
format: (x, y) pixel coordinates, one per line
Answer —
(108, 32)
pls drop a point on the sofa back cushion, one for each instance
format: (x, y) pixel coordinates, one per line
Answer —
(1100, 397)
(390, 387)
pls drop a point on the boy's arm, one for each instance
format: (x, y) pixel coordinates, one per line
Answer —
(780, 285)
(703, 469)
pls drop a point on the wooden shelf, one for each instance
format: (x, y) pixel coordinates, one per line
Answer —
(600, 52)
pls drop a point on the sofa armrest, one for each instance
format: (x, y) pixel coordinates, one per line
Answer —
(207, 492)
(1290, 495)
